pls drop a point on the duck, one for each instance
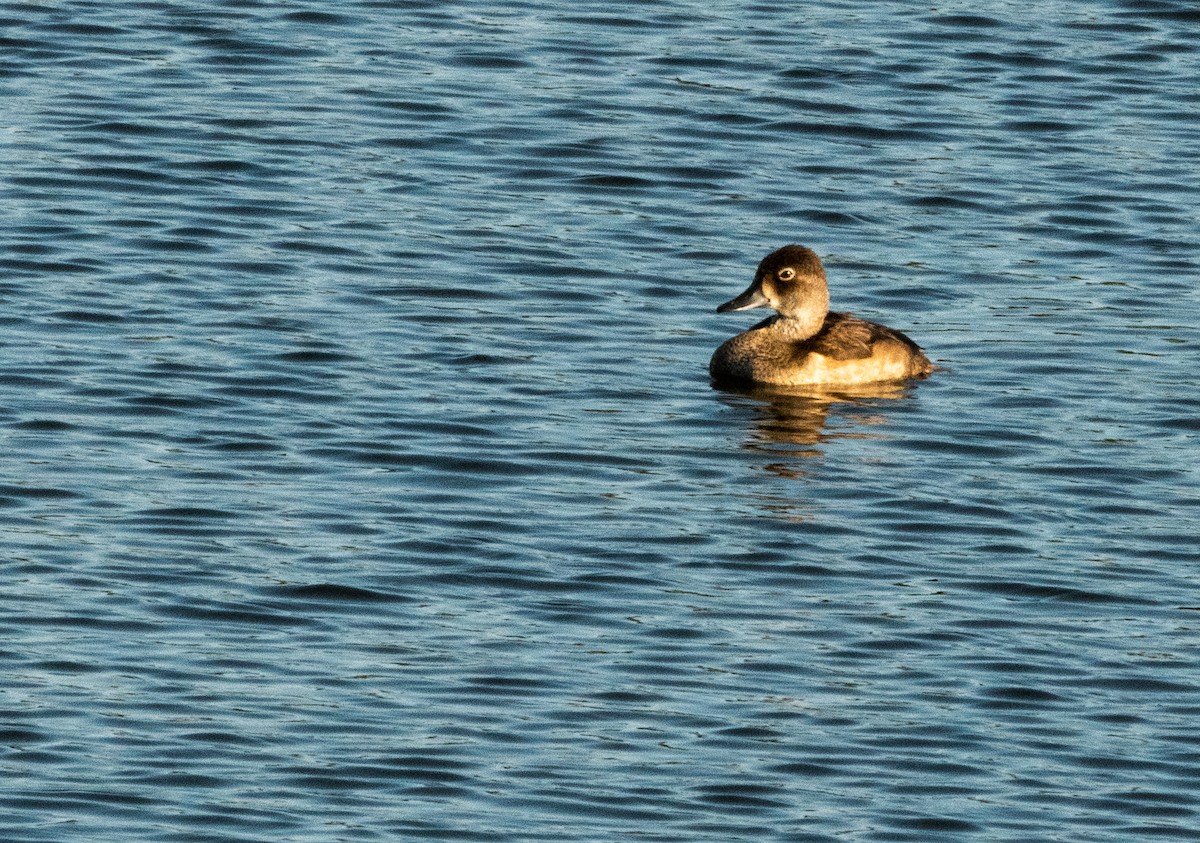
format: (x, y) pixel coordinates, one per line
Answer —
(804, 344)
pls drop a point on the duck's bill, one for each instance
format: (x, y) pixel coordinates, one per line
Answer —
(748, 300)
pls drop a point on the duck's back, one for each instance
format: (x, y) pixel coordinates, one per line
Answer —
(846, 350)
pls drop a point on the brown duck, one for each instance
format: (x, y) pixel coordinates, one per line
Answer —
(805, 344)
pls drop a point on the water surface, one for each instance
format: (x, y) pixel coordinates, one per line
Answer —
(362, 478)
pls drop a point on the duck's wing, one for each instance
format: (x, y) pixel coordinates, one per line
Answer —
(846, 337)
(843, 337)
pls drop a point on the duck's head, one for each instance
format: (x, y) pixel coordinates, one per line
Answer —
(792, 281)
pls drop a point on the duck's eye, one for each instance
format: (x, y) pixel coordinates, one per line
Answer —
(786, 274)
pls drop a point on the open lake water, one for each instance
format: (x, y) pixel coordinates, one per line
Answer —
(362, 478)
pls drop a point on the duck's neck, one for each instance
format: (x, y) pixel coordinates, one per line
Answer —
(800, 326)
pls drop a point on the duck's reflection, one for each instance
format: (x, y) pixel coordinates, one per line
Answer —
(792, 423)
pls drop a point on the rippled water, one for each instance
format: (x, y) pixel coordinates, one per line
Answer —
(363, 480)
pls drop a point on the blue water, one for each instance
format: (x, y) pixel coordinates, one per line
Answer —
(362, 479)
